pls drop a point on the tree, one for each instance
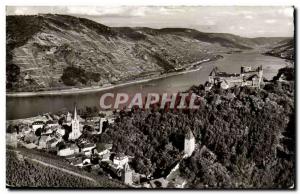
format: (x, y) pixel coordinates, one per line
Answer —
(38, 132)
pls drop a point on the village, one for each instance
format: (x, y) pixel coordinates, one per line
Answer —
(63, 135)
(49, 135)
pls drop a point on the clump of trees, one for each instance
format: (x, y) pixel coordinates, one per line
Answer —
(287, 72)
(250, 131)
(75, 75)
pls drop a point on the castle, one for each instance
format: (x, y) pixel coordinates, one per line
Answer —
(247, 77)
(75, 134)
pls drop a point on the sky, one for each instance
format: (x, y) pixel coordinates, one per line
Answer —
(259, 21)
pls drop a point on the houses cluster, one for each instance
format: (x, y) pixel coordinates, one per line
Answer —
(78, 151)
(47, 132)
(117, 165)
(58, 134)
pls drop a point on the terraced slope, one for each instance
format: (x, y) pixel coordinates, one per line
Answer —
(46, 52)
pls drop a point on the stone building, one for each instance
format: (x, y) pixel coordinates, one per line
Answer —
(127, 175)
(247, 77)
(76, 132)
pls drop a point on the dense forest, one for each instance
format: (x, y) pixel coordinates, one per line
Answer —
(247, 134)
(73, 75)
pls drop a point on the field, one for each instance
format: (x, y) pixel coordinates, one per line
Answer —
(31, 170)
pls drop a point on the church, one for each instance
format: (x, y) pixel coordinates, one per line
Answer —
(76, 132)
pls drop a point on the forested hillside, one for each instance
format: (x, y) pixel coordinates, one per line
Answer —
(248, 136)
(46, 52)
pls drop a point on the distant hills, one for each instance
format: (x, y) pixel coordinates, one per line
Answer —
(49, 51)
(284, 49)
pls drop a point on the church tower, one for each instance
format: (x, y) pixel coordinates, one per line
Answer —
(189, 144)
(75, 134)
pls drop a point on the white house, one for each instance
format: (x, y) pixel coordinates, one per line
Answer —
(120, 160)
(65, 152)
(87, 148)
(60, 132)
(37, 124)
(68, 151)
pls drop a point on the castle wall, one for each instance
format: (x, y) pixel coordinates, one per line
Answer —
(228, 81)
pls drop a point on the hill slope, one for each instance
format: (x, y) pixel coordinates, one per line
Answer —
(284, 49)
(245, 137)
(47, 52)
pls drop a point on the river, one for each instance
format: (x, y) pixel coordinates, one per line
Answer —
(23, 107)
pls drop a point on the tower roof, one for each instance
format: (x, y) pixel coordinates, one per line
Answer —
(214, 71)
(127, 167)
(189, 135)
(75, 113)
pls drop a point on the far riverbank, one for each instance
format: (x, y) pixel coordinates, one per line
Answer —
(24, 107)
(101, 88)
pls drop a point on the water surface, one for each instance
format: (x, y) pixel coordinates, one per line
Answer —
(23, 107)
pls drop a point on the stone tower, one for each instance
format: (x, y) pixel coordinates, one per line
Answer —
(260, 75)
(213, 73)
(189, 144)
(69, 117)
(127, 175)
(101, 125)
(75, 134)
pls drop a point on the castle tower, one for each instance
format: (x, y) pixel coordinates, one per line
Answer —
(69, 117)
(212, 75)
(101, 125)
(189, 144)
(260, 75)
(75, 134)
(127, 175)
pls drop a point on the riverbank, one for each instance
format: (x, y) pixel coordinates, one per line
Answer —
(101, 88)
(24, 107)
